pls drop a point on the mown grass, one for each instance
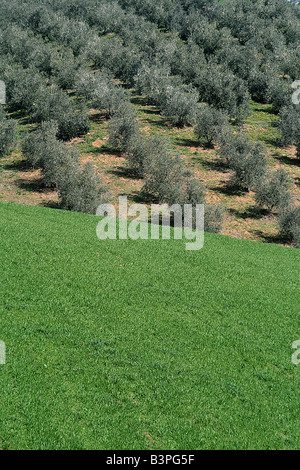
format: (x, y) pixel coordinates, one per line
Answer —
(141, 344)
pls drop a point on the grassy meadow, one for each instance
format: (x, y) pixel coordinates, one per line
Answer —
(142, 344)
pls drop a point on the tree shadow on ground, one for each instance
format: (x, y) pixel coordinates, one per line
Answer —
(98, 118)
(231, 189)
(217, 165)
(142, 197)
(162, 123)
(136, 198)
(36, 185)
(124, 172)
(52, 204)
(107, 150)
(19, 115)
(141, 101)
(189, 143)
(152, 111)
(289, 160)
(19, 165)
(259, 109)
(273, 142)
(275, 239)
(253, 212)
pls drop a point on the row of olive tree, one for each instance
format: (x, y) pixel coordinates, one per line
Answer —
(220, 57)
(290, 126)
(56, 63)
(248, 163)
(125, 55)
(175, 100)
(80, 189)
(8, 134)
(28, 91)
(264, 61)
(216, 64)
(166, 178)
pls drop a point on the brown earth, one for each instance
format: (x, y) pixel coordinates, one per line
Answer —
(23, 185)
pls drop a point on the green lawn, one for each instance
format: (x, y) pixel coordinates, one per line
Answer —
(142, 344)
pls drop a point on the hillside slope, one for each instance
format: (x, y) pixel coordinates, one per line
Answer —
(141, 344)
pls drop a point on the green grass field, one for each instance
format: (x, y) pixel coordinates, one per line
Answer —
(141, 344)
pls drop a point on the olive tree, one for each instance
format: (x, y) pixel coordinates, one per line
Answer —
(55, 104)
(209, 124)
(289, 223)
(8, 136)
(81, 189)
(273, 192)
(180, 104)
(246, 158)
(123, 127)
(290, 127)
